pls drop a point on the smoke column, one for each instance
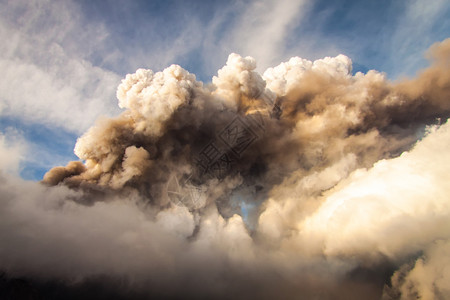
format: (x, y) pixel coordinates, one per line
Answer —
(303, 182)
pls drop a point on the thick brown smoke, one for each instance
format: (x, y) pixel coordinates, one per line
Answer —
(291, 184)
(311, 115)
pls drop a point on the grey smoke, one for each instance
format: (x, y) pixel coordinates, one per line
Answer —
(318, 183)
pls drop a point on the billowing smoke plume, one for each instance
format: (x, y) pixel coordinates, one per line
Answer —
(306, 181)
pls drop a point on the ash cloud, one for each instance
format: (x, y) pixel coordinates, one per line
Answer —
(305, 181)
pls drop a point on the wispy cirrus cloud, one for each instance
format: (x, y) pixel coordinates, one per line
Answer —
(420, 25)
(47, 77)
(12, 151)
(252, 28)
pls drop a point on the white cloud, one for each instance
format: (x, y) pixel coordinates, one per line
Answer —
(258, 28)
(12, 151)
(395, 209)
(47, 78)
(422, 23)
(263, 29)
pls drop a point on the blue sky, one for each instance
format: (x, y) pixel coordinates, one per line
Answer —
(63, 60)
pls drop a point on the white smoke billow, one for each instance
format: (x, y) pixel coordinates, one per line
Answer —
(304, 182)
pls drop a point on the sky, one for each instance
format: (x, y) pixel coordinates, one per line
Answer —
(63, 60)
